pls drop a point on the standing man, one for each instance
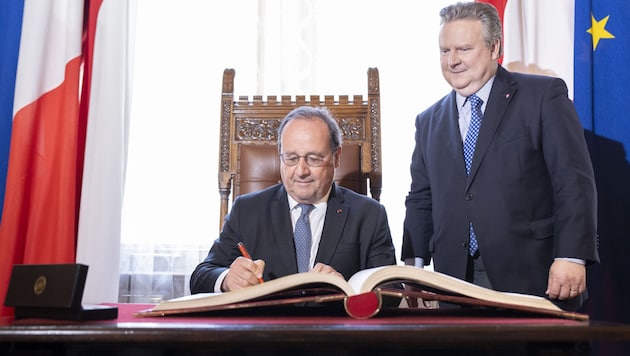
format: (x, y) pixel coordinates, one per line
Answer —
(347, 232)
(503, 192)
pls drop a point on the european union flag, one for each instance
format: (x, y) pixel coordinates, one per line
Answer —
(602, 99)
(602, 68)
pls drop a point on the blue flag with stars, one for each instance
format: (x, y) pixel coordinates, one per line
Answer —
(602, 70)
(602, 99)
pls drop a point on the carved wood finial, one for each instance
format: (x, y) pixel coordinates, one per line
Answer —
(374, 86)
(228, 81)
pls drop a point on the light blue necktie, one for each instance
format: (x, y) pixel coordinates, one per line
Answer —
(303, 238)
(469, 151)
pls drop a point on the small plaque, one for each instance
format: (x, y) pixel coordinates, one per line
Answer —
(53, 291)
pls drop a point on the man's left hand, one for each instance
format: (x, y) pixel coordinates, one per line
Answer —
(566, 280)
(323, 268)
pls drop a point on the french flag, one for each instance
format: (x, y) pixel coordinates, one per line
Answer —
(62, 135)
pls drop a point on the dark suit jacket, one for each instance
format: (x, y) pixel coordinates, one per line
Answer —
(355, 236)
(530, 194)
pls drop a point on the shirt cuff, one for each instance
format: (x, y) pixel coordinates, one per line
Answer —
(219, 282)
(575, 260)
(415, 261)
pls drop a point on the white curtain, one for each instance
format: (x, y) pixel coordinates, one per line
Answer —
(539, 38)
(105, 157)
(287, 46)
(170, 214)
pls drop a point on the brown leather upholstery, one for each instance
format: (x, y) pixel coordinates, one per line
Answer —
(258, 168)
(248, 154)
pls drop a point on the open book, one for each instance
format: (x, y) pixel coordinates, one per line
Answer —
(362, 295)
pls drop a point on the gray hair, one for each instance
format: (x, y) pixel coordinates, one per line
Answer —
(479, 11)
(308, 112)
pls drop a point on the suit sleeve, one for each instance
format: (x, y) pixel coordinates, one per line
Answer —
(381, 250)
(222, 253)
(571, 172)
(418, 224)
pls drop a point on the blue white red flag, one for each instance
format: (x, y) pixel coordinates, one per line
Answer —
(47, 67)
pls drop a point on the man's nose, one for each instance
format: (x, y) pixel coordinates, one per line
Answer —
(301, 167)
(453, 59)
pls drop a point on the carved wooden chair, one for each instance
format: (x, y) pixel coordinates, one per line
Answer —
(248, 154)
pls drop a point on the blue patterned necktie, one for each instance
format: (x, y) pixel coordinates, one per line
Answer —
(469, 151)
(303, 238)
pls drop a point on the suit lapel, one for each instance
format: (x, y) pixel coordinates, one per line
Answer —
(282, 229)
(502, 92)
(454, 140)
(336, 215)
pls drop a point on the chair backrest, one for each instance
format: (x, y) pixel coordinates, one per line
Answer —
(248, 153)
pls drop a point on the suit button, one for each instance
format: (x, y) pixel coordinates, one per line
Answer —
(469, 196)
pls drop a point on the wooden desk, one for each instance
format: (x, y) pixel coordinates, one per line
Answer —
(425, 334)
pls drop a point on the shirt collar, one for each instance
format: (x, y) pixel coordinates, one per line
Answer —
(323, 202)
(483, 94)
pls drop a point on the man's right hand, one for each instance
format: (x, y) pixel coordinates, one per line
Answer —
(243, 273)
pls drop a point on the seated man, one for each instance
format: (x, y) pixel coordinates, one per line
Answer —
(344, 232)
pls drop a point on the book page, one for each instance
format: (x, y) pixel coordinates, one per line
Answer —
(294, 282)
(372, 278)
(359, 281)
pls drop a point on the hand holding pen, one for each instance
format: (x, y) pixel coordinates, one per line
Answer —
(246, 254)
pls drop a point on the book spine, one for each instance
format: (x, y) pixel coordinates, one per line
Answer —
(363, 306)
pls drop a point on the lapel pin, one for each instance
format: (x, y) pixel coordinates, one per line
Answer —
(507, 95)
(339, 211)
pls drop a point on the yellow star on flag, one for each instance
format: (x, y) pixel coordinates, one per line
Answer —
(598, 30)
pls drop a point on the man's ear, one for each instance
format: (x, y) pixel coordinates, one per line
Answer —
(496, 49)
(337, 157)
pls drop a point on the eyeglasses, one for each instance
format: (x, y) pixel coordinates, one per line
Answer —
(312, 160)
